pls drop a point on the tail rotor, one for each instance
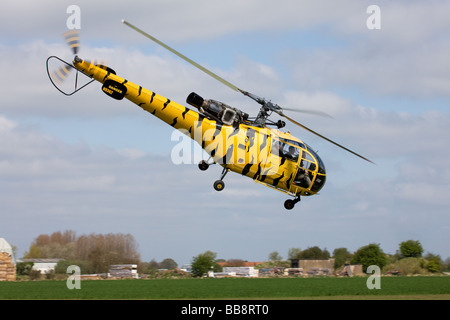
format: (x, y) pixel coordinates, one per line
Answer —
(59, 70)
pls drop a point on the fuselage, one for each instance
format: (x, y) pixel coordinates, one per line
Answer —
(269, 156)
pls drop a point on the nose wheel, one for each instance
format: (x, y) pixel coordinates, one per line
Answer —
(290, 203)
(219, 185)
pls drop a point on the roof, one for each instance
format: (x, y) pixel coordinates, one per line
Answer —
(42, 260)
(6, 247)
(244, 264)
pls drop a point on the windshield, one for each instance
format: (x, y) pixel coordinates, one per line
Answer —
(287, 149)
(319, 161)
(320, 178)
(311, 172)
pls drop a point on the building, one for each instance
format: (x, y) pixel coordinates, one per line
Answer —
(241, 264)
(123, 271)
(186, 267)
(314, 266)
(44, 266)
(351, 270)
(241, 271)
(7, 262)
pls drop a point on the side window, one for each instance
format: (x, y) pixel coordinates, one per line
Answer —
(285, 150)
(307, 161)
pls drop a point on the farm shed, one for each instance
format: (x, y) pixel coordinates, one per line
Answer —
(314, 266)
(44, 266)
(7, 262)
(241, 271)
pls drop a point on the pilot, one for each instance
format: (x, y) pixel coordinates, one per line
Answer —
(291, 153)
(302, 178)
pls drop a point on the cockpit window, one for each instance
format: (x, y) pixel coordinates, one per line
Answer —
(286, 148)
(319, 161)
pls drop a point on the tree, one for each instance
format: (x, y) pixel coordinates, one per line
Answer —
(275, 256)
(104, 250)
(294, 253)
(62, 265)
(433, 262)
(234, 262)
(314, 253)
(33, 253)
(370, 255)
(341, 256)
(24, 268)
(411, 249)
(99, 250)
(205, 262)
(168, 264)
(153, 264)
(447, 264)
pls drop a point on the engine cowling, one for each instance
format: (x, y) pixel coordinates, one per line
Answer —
(216, 110)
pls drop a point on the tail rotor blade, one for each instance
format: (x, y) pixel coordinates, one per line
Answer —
(61, 74)
(73, 40)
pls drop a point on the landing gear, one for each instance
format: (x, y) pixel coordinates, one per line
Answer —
(203, 165)
(290, 204)
(219, 185)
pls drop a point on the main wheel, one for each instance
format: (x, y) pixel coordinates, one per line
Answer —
(289, 204)
(203, 165)
(219, 185)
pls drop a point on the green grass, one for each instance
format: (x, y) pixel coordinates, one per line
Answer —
(232, 288)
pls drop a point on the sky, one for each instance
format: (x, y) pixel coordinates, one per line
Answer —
(92, 164)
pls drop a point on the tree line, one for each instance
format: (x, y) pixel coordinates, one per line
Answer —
(409, 259)
(94, 253)
(372, 254)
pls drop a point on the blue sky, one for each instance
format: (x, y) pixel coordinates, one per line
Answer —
(91, 164)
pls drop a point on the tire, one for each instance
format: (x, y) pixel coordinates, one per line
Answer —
(289, 204)
(203, 165)
(219, 185)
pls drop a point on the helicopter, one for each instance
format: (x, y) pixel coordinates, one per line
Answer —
(254, 147)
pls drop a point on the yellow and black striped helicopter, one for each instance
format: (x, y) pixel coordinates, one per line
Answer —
(253, 147)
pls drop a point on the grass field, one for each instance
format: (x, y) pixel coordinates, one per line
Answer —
(233, 288)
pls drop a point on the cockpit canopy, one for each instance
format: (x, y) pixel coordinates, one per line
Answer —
(311, 172)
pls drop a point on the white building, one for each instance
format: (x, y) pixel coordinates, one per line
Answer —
(241, 271)
(43, 265)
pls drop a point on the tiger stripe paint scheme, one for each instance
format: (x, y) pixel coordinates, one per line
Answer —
(242, 148)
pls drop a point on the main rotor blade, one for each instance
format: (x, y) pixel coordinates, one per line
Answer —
(323, 137)
(262, 101)
(195, 64)
(313, 112)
